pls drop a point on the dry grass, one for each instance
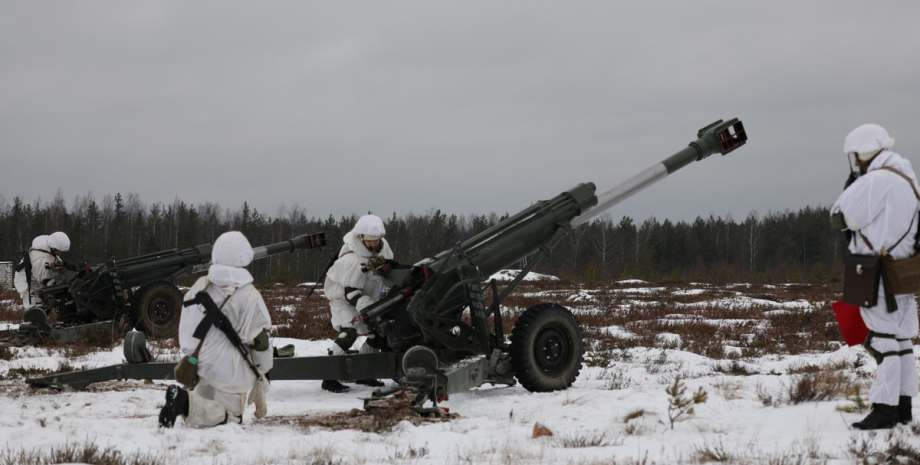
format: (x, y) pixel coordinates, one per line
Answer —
(382, 419)
(827, 382)
(77, 453)
(295, 316)
(704, 321)
(10, 305)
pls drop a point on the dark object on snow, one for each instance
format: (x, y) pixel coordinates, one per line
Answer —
(120, 294)
(332, 385)
(176, 404)
(881, 417)
(904, 413)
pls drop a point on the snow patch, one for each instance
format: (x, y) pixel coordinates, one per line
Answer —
(509, 275)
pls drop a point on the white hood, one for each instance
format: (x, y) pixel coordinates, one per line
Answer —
(230, 254)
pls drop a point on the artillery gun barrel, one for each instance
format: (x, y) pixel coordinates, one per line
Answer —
(717, 137)
(304, 241)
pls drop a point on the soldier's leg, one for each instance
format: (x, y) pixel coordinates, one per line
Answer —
(211, 407)
(340, 346)
(909, 381)
(887, 384)
(344, 341)
(372, 344)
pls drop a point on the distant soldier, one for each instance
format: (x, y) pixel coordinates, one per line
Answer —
(351, 285)
(225, 376)
(38, 271)
(880, 207)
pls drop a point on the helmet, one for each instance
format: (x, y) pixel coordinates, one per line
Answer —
(866, 141)
(59, 241)
(369, 228)
(232, 249)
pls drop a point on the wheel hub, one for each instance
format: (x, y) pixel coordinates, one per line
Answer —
(160, 311)
(552, 349)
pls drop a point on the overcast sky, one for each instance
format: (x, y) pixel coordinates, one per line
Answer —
(468, 107)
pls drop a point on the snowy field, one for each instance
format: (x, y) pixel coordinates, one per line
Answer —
(774, 385)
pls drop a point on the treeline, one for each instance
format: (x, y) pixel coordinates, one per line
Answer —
(778, 247)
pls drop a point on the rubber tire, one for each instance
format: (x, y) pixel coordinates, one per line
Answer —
(547, 348)
(158, 306)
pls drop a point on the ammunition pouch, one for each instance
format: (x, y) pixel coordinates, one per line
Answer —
(901, 276)
(186, 371)
(861, 279)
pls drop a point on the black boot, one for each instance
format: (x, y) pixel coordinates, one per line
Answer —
(904, 415)
(176, 404)
(369, 382)
(881, 417)
(332, 385)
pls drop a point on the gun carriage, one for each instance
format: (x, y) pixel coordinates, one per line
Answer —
(435, 318)
(123, 294)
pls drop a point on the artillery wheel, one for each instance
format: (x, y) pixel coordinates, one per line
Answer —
(158, 306)
(547, 348)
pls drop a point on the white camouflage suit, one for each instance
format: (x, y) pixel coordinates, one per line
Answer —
(364, 287)
(882, 206)
(225, 378)
(42, 258)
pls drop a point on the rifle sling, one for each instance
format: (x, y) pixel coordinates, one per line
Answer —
(219, 320)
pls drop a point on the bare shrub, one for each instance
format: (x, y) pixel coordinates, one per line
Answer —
(900, 449)
(409, 453)
(5, 353)
(633, 415)
(616, 379)
(730, 390)
(854, 393)
(767, 398)
(584, 439)
(735, 368)
(75, 453)
(827, 383)
(712, 453)
(10, 305)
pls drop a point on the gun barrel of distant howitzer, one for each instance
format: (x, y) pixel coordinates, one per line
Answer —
(717, 137)
(304, 241)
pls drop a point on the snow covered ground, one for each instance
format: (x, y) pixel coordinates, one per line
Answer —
(616, 412)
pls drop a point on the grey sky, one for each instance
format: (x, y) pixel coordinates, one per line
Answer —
(469, 107)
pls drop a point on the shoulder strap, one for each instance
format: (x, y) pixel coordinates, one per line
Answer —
(916, 194)
(903, 176)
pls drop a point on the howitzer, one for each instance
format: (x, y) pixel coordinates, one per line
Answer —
(122, 294)
(435, 320)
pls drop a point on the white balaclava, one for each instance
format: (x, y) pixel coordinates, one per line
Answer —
(59, 241)
(369, 228)
(230, 254)
(866, 141)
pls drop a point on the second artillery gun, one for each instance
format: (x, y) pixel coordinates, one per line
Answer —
(118, 295)
(435, 318)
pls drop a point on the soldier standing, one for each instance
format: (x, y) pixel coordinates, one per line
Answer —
(44, 257)
(880, 208)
